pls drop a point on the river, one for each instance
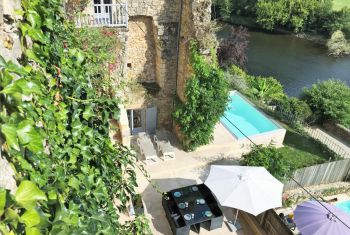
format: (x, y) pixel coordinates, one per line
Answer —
(295, 62)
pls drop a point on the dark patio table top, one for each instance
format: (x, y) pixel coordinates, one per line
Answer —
(197, 205)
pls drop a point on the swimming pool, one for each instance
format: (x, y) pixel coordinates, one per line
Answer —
(344, 206)
(242, 119)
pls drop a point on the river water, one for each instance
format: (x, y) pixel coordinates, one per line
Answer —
(295, 62)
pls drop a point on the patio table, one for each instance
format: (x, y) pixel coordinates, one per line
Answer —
(193, 205)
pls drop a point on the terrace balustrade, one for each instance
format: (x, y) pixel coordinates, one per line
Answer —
(105, 15)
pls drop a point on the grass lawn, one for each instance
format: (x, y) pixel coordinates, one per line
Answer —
(339, 4)
(303, 151)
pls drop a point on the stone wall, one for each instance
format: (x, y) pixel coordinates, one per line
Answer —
(338, 131)
(196, 24)
(152, 44)
(10, 49)
(141, 52)
(151, 51)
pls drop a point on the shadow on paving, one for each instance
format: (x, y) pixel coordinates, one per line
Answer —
(153, 201)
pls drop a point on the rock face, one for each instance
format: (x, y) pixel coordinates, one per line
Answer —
(10, 49)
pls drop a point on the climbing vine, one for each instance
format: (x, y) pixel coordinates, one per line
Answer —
(206, 98)
(54, 132)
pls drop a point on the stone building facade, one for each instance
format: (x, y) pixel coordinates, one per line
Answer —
(157, 53)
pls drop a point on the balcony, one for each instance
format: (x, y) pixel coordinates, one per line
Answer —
(104, 15)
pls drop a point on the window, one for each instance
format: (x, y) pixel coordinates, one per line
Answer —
(103, 14)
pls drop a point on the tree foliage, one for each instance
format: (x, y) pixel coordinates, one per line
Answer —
(232, 49)
(293, 14)
(330, 100)
(54, 131)
(337, 20)
(206, 99)
(271, 159)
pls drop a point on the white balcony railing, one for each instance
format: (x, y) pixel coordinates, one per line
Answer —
(108, 15)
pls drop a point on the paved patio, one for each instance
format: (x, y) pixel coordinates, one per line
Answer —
(176, 179)
(186, 169)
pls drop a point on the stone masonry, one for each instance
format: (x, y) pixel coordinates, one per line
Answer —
(10, 49)
(151, 48)
(153, 31)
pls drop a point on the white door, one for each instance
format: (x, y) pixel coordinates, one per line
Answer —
(151, 120)
(137, 121)
(142, 120)
(103, 13)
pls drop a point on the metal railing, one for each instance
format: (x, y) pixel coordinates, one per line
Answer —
(106, 15)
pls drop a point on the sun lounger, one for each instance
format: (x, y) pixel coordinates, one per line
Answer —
(164, 146)
(147, 149)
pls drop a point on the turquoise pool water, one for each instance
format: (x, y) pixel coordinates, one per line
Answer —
(241, 115)
(345, 206)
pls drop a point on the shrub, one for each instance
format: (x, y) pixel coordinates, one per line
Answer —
(232, 50)
(270, 158)
(206, 99)
(338, 45)
(329, 100)
(224, 7)
(266, 89)
(295, 108)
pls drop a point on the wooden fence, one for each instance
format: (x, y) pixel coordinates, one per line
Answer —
(320, 174)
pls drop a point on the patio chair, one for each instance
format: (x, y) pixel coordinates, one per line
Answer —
(147, 149)
(163, 145)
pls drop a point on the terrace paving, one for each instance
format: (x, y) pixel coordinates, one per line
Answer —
(176, 179)
(188, 168)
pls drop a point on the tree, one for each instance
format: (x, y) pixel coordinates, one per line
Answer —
(329, 100)
(338, 45)
(225, 8)
(293, 14)
(337, 20)
(232, 50)
(271, 159)
(206, 99)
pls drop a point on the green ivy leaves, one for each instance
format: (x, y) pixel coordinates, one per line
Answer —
(28, 194)
(2, 201)
(25, 134)
(206, 98)
(9, 130)
(55, 125)
(22, 208)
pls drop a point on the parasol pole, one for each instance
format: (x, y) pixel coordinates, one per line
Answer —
(236, 217)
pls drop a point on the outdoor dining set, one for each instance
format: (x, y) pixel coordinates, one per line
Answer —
(250, 189)
(192, 207)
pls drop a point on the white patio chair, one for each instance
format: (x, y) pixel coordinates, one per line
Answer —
(147, 149)
(164, 146)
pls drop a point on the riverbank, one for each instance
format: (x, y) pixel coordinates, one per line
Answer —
(251, 24)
